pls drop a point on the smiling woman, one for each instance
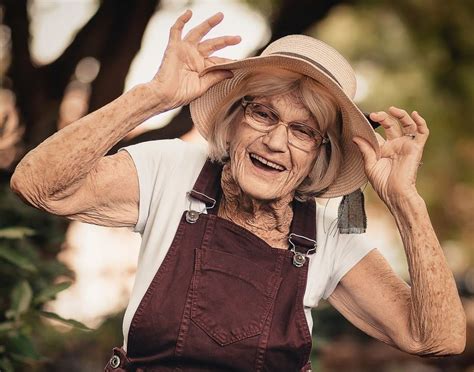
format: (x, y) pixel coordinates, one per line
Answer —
(249, 146)
(233, 253)
(319, 109)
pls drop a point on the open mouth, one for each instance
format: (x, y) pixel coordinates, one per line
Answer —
(265, 164)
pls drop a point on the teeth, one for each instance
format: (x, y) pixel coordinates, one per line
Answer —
(267, 163)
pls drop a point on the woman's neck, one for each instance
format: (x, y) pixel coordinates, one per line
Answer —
(269, 220)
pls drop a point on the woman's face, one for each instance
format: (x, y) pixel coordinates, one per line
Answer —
(287, 166)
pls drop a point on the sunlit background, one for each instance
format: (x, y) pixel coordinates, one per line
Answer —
(413, 54)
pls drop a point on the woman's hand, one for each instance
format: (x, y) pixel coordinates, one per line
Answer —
(393, 175)
(179, 80)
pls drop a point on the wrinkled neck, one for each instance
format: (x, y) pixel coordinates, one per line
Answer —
(269, 220)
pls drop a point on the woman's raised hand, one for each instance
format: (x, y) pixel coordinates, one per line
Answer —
(393, 175)
(179, 79)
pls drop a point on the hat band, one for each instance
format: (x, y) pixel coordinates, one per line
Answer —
(313, 62)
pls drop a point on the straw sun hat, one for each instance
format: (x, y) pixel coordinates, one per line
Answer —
(311, 57)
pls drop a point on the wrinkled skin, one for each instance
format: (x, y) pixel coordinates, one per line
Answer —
(267, 184)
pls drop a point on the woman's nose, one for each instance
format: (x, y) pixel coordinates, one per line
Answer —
(277, 139)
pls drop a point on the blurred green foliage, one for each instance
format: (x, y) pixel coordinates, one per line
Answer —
(30, 277)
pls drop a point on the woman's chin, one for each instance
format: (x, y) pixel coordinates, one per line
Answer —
(262, 192)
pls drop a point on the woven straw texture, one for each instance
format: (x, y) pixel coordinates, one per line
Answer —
(321, 62)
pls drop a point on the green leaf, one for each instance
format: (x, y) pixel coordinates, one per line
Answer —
(17, 259)
(21, 297)
(16, 232)
(50, 292)
(6, 326)
(70, 322)
(25, 359)
(24, 348)
(6, 365)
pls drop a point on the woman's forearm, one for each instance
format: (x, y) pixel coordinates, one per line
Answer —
(437, 319)
(59, 165)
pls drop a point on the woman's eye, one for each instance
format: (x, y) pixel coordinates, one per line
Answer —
(302, 131)
(262, 113)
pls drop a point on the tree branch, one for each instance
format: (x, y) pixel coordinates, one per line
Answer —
(112, 36)
(123, 43)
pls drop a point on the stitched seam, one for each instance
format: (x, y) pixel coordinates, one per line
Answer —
(262, 347)
(146, 298)
(301, 318)
(184, 327)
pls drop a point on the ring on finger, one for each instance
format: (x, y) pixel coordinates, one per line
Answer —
(411, 135)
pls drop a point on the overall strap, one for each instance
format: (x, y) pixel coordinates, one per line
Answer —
(303, 227)
(302, 238)
(208, 185)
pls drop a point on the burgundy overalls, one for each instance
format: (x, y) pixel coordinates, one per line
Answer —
(223, 299)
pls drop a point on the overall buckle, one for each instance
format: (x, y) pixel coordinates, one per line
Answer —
(299, 258)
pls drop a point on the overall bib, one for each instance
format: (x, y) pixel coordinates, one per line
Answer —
(223, 299)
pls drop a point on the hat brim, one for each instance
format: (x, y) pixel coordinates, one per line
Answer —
(351, 175)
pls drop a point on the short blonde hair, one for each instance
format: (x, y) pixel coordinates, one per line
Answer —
(319, 102)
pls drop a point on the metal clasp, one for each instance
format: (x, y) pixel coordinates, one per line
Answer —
(193, 215)
(115, 361)
(299, 258)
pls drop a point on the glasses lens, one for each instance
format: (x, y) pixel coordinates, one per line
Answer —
(302, 132)
(303, 136)
(262, 115)
(264, 119)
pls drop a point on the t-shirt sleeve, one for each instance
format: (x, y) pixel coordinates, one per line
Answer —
(350, 249)
(155, 162)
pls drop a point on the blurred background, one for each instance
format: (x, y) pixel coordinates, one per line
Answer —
(64, 286)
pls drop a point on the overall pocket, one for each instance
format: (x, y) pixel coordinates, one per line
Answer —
(232, 296)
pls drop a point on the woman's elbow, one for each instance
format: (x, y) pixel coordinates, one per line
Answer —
(448, 346)
(28, 190)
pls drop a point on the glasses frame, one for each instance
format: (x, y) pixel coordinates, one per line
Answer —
(245, 102)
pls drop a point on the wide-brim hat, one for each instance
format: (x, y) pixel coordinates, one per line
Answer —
(313, 58)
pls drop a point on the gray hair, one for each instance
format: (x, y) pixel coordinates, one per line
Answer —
(319, 102)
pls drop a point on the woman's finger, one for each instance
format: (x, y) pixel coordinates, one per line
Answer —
(367, 151)
(213, 77)
(211, 61)
(218, 60)
(177, 28)
(406, 121)
(210, 46)
(389, 124)
(201, 30)
(420, 123)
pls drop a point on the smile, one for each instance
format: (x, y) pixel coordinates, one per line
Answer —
(262, 162)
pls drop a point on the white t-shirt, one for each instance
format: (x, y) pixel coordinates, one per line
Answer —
(167, 170)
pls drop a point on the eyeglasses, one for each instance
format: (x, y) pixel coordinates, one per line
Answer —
(264, 119)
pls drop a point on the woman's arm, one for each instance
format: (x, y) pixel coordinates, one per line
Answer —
(68, 174)
(426, 318)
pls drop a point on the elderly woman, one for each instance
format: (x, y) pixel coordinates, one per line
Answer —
(235, 253)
